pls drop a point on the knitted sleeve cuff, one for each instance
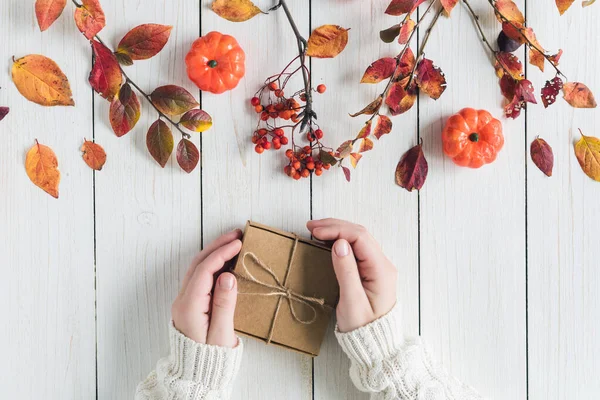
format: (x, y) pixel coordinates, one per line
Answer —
(213, 367)
(374, 342)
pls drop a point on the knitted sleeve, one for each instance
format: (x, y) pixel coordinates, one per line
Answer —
(192, 371)
(389, 367)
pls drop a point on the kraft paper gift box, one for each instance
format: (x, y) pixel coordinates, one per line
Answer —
(287, 290)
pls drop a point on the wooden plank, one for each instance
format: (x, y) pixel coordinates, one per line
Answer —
(238, 184)
(473, 224)
(371, 198)
(46, 245)
(148, 218)
(563, 220)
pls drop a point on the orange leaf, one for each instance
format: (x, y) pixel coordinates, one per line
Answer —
(345, 149)
(406, 31)
(371, 108)
(563, 5)
(42, 168)
(405, 66)
(510, 11)
(93, 155)
(159, 141)
(89, 18)
(587, 151)
(365, 131)
(354, 158)
(235, 10)
(412, 169)
(384, 126)
(173, 100)
(379, 70)
(430, 79)
(40, 80)
(106, 76)
(542, 156)
(365, 145)
(48, 11)
(327, 41)
(124, 111)
(399, 99)
(187, 155)
(449, 5)
(578, 95)
(510, 63)
(144, 41)
(196, 120)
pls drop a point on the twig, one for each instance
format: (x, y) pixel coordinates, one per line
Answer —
(424, 44)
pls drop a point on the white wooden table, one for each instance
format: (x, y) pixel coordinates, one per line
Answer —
(498, 267)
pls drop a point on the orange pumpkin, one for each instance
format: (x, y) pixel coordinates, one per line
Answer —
(472, 138)
(216, 62)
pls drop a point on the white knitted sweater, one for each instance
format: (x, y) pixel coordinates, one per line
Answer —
(382, 363)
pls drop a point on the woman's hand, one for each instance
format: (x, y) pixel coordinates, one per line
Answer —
(367, 278)
(198, 315)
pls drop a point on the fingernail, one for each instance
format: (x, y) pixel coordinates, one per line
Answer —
(226, 281)
(341, 248)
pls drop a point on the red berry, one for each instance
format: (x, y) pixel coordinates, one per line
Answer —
(305, 173)
(259, 149)
(319, 134)
(318, 172)
(326, 166)
(307, 149)
(296, 164)
(284, 140)
(258, 108)
(264, 116)
(262, 131)
(321, 88)
(273, 86)
(279, 93)
(276, 146)
(255, 101)
(310, 165)
(287, 169)
(267, 145)
(278, 132)
(310, 137)
(296, 175)
(309, 159)
(289, 153)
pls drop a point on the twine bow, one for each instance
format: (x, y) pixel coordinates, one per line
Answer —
(279, 289)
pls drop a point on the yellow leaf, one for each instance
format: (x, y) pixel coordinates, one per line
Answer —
(42, 168)
(235, 10)
(327, 41)
(40, 80)
(587, 151)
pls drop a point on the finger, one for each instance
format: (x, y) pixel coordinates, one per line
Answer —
(346, 272)
(220, 331)
(201, 282)
(219, 242)
(365, 247)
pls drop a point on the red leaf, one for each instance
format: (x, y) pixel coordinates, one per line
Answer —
(412, 169)
(551, 90)
(384, 126)
(346, 173)
(399, 7)
(159, 141)
(578, 95)
(365, 145)
(555, 58)
(405, 66)
(48, 11)
(509, 63)
(93, 155)
(105, 77)
(355, 158)
(523, 95)
(379, 70)
(400, 100)
(144, 41)
(124, 111)
(371, 108)
(90, 18)
(187, 155)
(508, 86)
(406, 31)
(365, 131)
(4, 112)
(430, 79)
(449, 5)
(173, 100)
(542, 156)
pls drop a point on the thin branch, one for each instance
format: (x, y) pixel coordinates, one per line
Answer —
(424, 44)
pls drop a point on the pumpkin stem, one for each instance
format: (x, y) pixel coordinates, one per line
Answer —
(212, 63)
(474, 137)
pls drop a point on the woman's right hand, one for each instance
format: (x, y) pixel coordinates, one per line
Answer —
(366, 277)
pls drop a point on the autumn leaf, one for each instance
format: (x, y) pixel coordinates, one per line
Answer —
(400, 7)
(106, 76)
(90, 18)
(159, 141)
(124, 111)
(93, 155)
(388, 35)
(48, 11)
(41, 165)
(365, 131)
(542, 155)
(196, 120)
(354, 158)
(563, 5)
(371, 108)
(383, 127)
(40, 80)
(405, 66)
(508, 86)
(235, 10)
(346, 173)
(551, 90)
(430, 79)
(327, 41)
(449, 5)
(587, 151)
(400, 100)
(4, 112)
(578, 95)
(412, 169)
(509, 63)
(123, 59)
(523, 94)
(327, 158)
(406, 31)
(187, 155)
(379, 70)
(345, 149)
(365, 145)
(587, 3)
(173, 100)
(144, 41)
(510, 11)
